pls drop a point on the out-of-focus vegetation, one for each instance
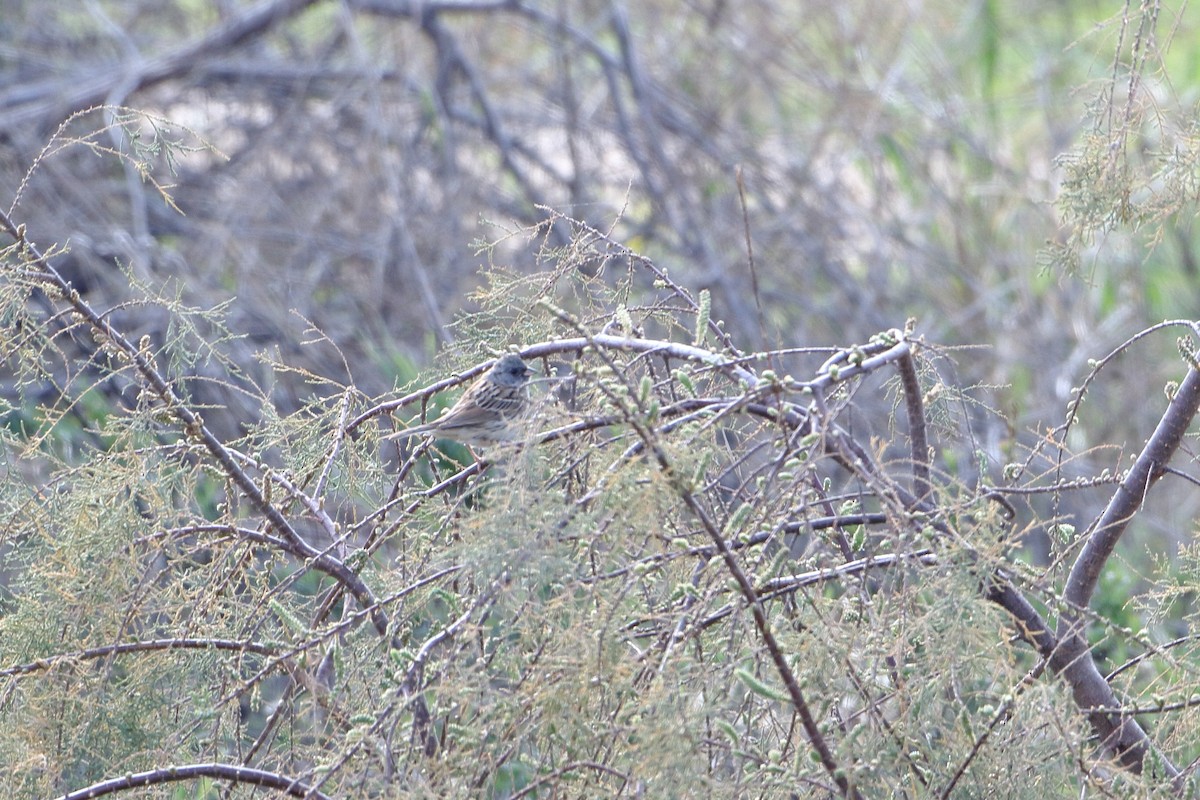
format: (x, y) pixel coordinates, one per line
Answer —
(288, 210)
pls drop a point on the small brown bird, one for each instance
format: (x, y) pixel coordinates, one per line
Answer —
(484, 415)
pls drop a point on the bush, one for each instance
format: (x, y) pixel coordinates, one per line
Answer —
(703, 571)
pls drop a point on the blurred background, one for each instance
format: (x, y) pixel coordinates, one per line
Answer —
(1019, 177)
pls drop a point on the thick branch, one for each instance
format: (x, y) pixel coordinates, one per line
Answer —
(1073, 658)
(1150, 465)
(913, 403)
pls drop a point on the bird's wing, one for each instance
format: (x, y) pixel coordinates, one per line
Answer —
(504, 403)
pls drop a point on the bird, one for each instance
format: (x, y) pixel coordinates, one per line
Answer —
(484, 415)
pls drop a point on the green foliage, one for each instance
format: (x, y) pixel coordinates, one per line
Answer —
(703, 574)
(558, 622)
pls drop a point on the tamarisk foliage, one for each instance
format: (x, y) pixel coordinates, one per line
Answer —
(703, 571)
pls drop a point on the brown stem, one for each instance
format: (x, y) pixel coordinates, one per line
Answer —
(1072, 658)
(916, 425)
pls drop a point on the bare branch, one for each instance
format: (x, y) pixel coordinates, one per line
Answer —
(187, 772)
(31, 103)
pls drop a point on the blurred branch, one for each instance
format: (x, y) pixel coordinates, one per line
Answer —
(415, 8)
(451, 60)
(60, 97)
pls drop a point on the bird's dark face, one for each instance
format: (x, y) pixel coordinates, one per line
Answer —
(510, 370)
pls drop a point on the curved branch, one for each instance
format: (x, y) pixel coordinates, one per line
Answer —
(229, 772)
(673, 349)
